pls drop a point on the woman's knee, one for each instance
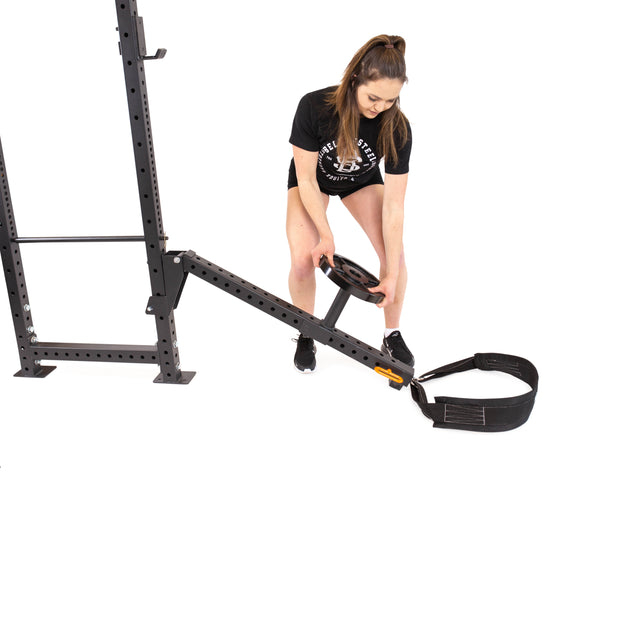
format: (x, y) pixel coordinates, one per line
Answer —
(302, 265)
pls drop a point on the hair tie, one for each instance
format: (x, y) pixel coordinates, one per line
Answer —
(388, 46)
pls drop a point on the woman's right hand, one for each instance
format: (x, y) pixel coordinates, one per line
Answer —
(325, 247)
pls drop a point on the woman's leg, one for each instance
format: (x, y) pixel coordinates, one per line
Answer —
(365, 206)
(303, 237)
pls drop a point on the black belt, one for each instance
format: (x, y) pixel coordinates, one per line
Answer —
(486, 414)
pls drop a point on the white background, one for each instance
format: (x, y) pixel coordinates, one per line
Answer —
(259, 503)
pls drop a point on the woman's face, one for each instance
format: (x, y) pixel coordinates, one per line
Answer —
(377, 96)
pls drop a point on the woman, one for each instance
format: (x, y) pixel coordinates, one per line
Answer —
(339, 136)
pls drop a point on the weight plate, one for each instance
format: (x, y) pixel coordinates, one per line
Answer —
(351, 277)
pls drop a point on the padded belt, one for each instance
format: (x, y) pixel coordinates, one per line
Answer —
(486, 414)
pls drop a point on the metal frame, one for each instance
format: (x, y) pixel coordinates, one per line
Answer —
(16, 283)
(168, 271)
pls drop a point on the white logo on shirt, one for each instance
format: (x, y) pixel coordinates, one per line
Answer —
(338, 170)
(347, 166)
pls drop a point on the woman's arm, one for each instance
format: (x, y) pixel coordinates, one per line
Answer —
(395, 187)
(306, 163)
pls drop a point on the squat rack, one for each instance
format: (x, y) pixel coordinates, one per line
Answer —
(168, 270)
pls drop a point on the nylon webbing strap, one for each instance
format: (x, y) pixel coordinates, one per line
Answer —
(486, 414)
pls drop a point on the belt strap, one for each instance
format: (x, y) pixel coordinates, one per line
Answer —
(486, 414)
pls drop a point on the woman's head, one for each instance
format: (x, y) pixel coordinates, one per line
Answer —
(377, 73)
(371, 88)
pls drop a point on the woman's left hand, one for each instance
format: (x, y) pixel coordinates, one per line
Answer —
(387, 287)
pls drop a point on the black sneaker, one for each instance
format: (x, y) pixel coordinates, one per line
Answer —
(393, 345)
(305, 358)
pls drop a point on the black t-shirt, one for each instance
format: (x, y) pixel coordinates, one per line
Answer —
(315, 129)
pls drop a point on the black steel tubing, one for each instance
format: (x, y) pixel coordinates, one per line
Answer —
(336, 309)
(95, 352)
(133, 51)
(16, 282)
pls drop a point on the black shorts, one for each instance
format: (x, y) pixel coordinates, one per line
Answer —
(343, 192)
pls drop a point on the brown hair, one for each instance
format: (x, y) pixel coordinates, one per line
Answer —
(381, 57)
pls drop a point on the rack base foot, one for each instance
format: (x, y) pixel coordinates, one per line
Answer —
(185, 378)
(43, 372)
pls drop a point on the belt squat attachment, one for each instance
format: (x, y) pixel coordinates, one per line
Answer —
(486, 414)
